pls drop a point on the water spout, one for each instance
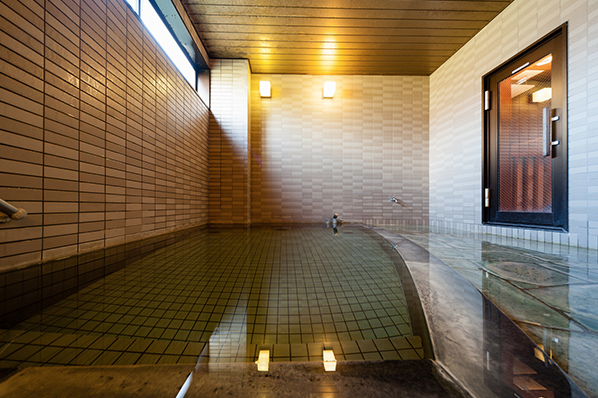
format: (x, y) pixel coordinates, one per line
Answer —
(395, 200)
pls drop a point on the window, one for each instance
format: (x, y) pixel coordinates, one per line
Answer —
(134, 5)
(170, 43)
(525, 120)
(158, 29)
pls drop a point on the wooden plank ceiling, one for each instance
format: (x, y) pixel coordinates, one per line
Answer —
(335, 37)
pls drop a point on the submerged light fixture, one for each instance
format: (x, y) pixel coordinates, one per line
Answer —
(329, 361)
(263, 360)
(329, 89)
(265, 89)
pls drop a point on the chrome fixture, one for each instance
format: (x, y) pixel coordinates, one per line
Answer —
(395, 200)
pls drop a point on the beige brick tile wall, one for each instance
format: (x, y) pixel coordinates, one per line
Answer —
(312, 157)
(101, 140)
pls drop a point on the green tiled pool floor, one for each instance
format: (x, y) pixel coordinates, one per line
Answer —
(227, 293)
(22, 349)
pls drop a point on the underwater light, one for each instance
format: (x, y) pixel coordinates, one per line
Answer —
(263, 360)
(329, 361)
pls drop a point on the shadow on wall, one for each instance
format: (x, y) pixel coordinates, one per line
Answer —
(229, 176)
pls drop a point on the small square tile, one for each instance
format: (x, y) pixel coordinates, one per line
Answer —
(408, 354)
(281, 350)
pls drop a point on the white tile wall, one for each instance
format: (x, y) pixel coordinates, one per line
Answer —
(456, 117)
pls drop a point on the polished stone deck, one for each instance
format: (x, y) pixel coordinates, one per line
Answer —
(549, 290)
(379, 379)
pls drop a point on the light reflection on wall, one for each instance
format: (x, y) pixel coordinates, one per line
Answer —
(329, 54)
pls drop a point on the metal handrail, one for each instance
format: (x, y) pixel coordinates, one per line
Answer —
(395, 200)
(12, 213)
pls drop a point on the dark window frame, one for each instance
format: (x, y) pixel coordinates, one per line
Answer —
(178, 30)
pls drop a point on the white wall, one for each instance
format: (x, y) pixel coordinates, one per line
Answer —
(456, 117)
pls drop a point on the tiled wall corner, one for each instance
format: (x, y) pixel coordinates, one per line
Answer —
(312, 157)
(229, 142)
(456, 116)
(101, 140)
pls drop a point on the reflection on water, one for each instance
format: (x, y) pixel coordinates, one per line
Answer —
(296, 292)
(292, 290)
(473, 338)
(514, 366)
(550, 291)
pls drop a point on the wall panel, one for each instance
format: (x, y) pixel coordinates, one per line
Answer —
(101, 140)
(456, 118)
(313, 157)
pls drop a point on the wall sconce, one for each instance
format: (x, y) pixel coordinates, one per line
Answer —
(329, 361)
(265, 89)
(329, 89)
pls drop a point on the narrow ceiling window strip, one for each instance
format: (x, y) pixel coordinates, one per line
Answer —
(176, 42)
(154, 24)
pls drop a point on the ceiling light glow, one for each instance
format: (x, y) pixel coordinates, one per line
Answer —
(542, 95)
(545, 61)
